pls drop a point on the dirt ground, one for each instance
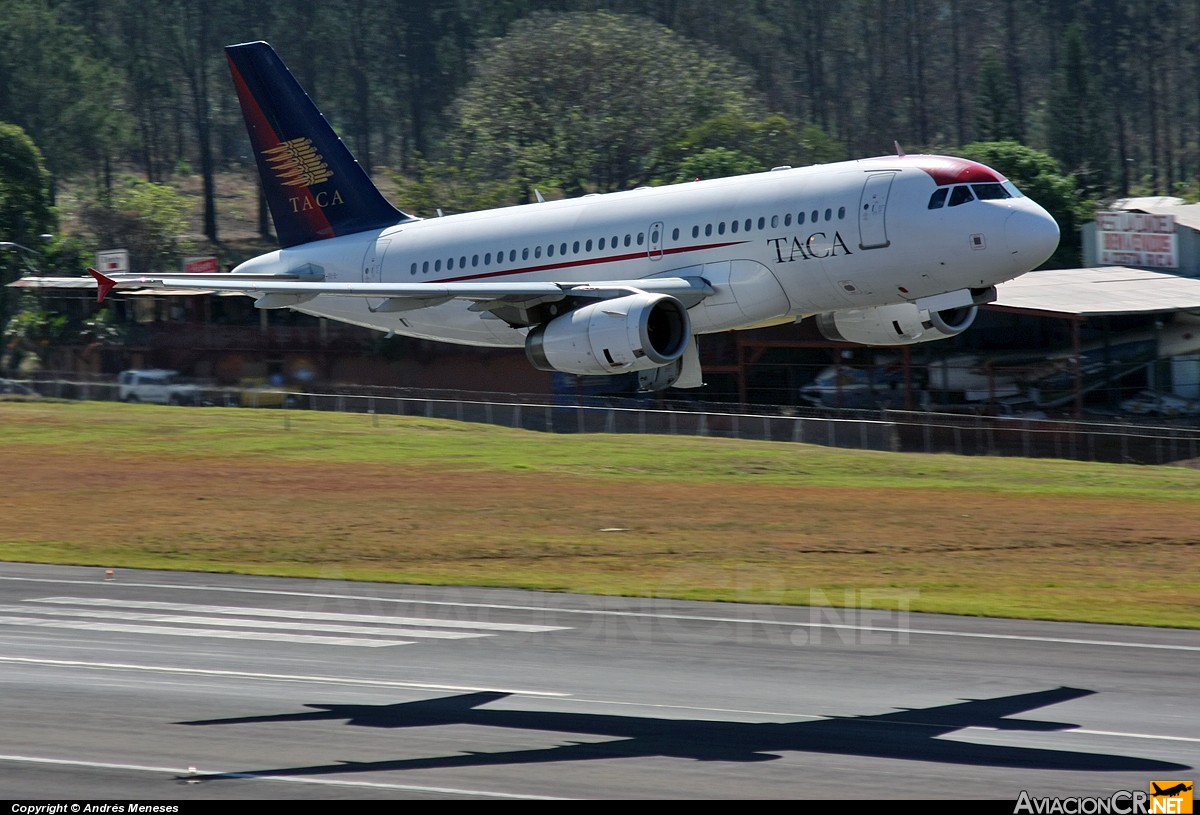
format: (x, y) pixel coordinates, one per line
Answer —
(1109, 560)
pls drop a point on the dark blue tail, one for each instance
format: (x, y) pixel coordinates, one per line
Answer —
(314, 186)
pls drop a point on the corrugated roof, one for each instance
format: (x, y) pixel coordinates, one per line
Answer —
(1096, 291)
(1186, 216)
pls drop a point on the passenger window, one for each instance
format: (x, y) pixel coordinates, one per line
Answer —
(628, 239)
(641, 238)
(695, 231)
(512, 255)
(762, 223)
(674, 234)
(587, 247)
(525, 253)
(829, 214)
(562, 248)
(574, 247)
(550, 251)
(449, 264)
(437, 265)
(733, 226)
(787, 219)
(961, 195)
(938, 198)
(774, 221)
(537, 251)
(815, 214)
(841, 213)
(749, 224)
(413, 270)
(799, 218)
(708, 229)
(602, 244)
(425, 267)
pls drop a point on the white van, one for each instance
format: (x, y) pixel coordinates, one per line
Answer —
(157, 385)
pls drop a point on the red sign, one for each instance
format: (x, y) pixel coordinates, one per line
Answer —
(201, 266)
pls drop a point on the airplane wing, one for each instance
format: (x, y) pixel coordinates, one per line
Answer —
(290, 290)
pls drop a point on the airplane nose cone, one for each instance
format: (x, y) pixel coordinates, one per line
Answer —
(1032, 237)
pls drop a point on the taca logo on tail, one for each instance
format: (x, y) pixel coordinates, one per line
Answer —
(299, 155)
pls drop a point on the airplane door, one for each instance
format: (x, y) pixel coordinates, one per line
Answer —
(373, 261)
(656, 240)
(872, 210)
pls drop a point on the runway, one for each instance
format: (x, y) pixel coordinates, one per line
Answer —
(183, 686)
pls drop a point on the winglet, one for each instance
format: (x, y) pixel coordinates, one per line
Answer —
(104, 284)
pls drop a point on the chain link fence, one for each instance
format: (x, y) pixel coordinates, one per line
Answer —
(885, 430)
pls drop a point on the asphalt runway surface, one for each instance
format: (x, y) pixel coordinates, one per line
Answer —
(183, 687)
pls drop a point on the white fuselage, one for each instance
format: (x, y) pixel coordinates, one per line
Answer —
(775, 246)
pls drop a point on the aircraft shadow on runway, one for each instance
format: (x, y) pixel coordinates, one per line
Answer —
(911, 734)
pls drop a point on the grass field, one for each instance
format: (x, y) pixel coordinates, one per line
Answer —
(409, 500)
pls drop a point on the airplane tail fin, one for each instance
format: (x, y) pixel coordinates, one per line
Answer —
(314, 186)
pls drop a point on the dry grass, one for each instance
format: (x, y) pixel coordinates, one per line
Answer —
(165, 502)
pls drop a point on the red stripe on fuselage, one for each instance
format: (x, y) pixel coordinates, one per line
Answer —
(574, 264)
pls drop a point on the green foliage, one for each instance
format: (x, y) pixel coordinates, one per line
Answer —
(53, 86)
(30, 331)
(716, 162)
(1074, 131)
(453, 187)
(587, 102)
(145, 218)
(730, 144)
(996, 116)
(25, 209)
(1037, 175)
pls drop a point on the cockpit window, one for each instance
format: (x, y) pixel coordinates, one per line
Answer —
(1012, 189)
(938, 198)
(961, 195)
(990, 192)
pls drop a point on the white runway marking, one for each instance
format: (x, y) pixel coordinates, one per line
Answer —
(648, 615)
(307, 639)
(245, 611)
(214, 775)
(306, 678)
(136, 616)
(247, 623)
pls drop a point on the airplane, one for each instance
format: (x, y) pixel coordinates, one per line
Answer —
(1170, 791)
(890, 250)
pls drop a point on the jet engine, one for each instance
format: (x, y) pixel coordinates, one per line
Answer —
(897, 324)
(636, 332)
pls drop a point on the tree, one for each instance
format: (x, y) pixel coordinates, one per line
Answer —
(995, 106)
(1074, 131)
(587, 102)
(1037, 175)
(25, 211)
(145, 218)
(52, 86)
(731, 144)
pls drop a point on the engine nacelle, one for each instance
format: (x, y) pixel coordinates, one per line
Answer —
(636, 332)
(897, 324)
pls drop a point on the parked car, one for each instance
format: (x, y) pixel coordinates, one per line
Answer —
(262, 393)
(13, 388)
(1153, 403)
(156, 385)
